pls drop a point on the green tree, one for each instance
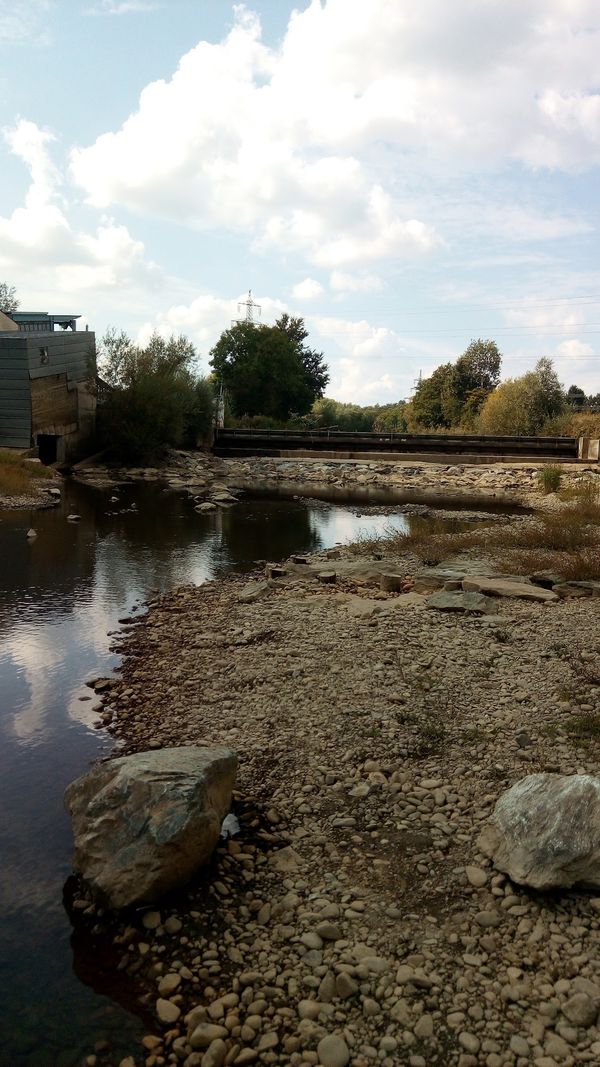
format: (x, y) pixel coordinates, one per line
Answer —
(268, 370)
(455, 392)
(430, 404)
(151, 396)
(575, 396)
(521, 406)
(8, 298)
(315, 369)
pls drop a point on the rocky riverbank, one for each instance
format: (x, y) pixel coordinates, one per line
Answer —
(353, 920)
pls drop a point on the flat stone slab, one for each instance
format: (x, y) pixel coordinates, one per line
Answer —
(253, 591)
(566, 589)
(457, 600)
(508, 588)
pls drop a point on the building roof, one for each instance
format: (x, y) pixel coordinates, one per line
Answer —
(42, 319)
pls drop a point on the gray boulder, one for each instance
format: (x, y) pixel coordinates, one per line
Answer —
(144, 823)
(545, 831)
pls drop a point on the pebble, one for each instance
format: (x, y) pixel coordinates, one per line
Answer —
(166, 1011)
(333, 1051)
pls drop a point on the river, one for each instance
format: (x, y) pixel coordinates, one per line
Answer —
(60, 595)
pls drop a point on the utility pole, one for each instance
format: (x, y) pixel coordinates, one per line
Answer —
(417, 381)
(251, 308)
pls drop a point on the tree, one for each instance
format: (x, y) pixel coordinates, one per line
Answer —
(8, 298)
(268, 370)
(521, 406)
(317, 374)
(575, 396)
(455, 392)
(429, 405)
(151, 397)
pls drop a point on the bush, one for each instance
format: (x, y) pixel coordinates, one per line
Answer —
(151, 398)
(549, 479)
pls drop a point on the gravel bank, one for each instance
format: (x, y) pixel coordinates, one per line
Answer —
(353, 919)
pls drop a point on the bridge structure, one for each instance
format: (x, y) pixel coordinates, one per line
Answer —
(431, 448)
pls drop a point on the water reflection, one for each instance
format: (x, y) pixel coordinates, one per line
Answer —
(59, 596)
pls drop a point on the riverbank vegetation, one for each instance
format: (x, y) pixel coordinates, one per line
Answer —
(563, 541)
(18, 475)
(464, 397)
(151, 397)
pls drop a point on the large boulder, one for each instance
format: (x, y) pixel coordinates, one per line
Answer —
(545, 831)
(144, 823)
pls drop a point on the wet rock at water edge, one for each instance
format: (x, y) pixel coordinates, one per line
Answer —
(144, 823)
(545, 831)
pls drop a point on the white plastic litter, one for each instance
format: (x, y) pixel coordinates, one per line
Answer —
(230, 826)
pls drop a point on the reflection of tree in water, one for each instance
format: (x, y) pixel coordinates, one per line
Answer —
(263, 530)
(163, 543)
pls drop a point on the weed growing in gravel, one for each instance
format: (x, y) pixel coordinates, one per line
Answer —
(584, 726)
(549, 479)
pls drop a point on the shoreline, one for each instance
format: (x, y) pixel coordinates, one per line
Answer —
(200, 473)
(374, 737)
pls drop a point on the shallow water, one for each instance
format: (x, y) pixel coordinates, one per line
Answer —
(59, 595)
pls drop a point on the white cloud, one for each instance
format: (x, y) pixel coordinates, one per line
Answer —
(574, 366)
(218, 145)
(366, 361)
(25, 21)
(308, 289)
(204, 319)
(342, 282)
(122, 7)
(38, 241)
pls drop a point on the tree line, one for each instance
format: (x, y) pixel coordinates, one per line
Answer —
(152, 396)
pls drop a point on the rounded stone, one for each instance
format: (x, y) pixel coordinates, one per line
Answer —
(166, 1011)
(469, 1042)
(333, 1051)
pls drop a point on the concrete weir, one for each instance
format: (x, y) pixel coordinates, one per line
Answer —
(432, 448)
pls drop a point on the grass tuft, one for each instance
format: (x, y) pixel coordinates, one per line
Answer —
(549, 479)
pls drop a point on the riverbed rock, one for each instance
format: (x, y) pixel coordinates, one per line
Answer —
(545, 831)
(456, 600)
(144, 823)
(509, 587)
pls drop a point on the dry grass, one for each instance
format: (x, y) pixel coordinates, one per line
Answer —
(18, 476)
(566, 541)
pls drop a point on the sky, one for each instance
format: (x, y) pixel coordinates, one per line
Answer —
(404, 176)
